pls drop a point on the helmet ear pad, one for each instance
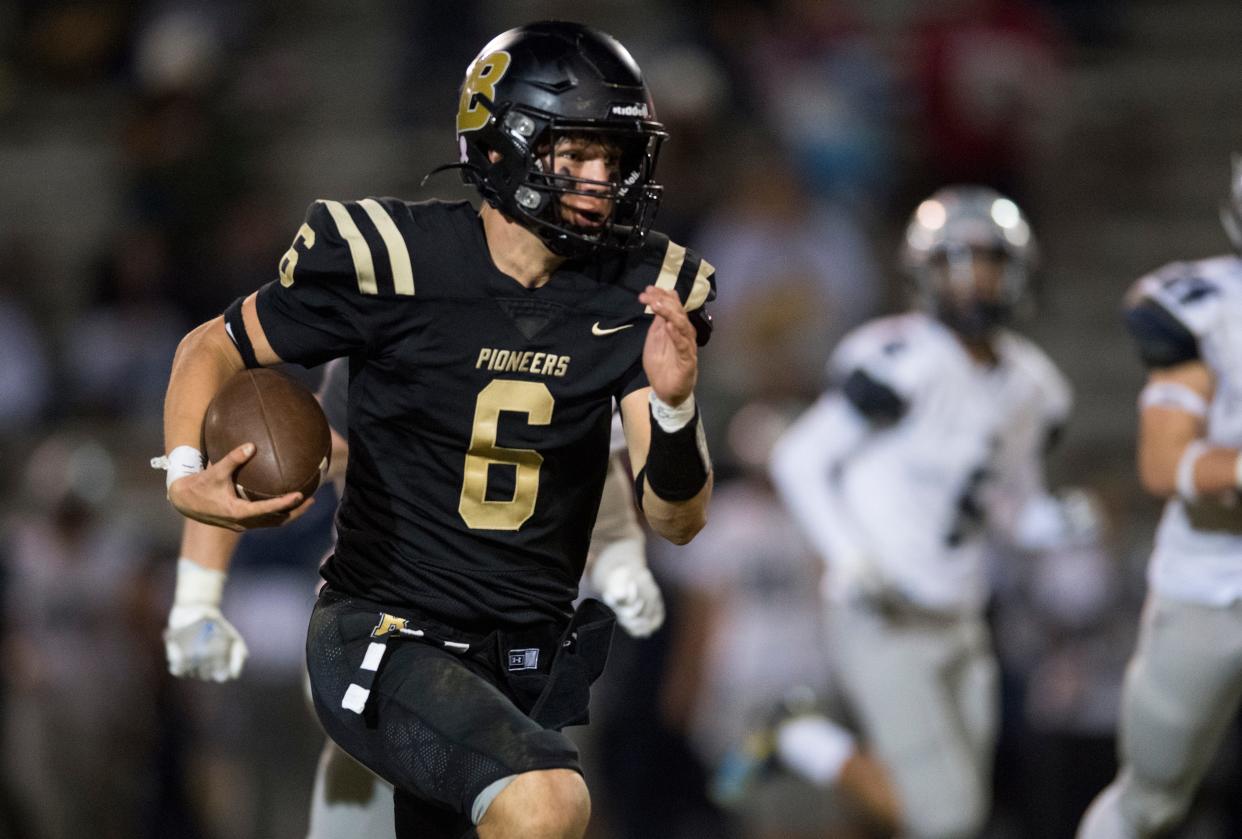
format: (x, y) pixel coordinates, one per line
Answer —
(494, 163)
(508, 170)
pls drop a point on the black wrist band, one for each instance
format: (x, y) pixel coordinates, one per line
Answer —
(677, 463)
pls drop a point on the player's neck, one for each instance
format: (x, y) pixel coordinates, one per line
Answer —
(982, 350)
(516, 251)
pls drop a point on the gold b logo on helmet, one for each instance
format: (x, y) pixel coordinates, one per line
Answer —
(481, 77)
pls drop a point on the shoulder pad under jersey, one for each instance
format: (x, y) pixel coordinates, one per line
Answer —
(1168, 311)
(665, 264)
(357, 243)
(872, 398)
(875, 365)
(1056, 394)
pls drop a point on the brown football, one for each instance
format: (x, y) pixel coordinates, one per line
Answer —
(285, 423)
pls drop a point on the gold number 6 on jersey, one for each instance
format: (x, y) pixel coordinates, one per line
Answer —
(530, 398)
(290, 260)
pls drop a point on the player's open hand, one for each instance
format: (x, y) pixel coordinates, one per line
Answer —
(200, 643)
(670, 355)
(632, 593)
(210, 497)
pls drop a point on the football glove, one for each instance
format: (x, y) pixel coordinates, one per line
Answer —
(623, 581)
(864, 579)
(201, 644)
(1071, 518)
(198, 641)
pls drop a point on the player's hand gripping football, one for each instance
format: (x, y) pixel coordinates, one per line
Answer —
(670, 355)
(210, 497)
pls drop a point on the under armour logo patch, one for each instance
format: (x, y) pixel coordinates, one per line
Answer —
(523, 660)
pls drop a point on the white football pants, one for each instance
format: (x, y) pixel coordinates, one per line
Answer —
(349, 800)
(925, 692)
(1181, 692)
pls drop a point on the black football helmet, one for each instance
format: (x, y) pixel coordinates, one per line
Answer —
(943, 233)
(535, 84)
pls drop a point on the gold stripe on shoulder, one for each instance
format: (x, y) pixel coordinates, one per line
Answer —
(701, 287)
(673, 258)
(364, 269)
(398, 254)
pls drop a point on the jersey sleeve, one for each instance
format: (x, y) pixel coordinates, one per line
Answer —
(698, 292)
(868, 368)
(635, 379)
(337, 283)
(1167, 312)
(665, 264)
(334, 395)
(805, 465)
(668, 265)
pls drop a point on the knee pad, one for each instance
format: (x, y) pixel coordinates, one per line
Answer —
(485, 798)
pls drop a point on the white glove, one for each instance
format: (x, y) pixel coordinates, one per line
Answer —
(198, 641)
(632, 593)
(865, 581)
(1084, 513)
(1071, 518)
(623, 581)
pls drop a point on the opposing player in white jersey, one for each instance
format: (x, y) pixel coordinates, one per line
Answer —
(348, 800)
(1184, 681)
(932, 439)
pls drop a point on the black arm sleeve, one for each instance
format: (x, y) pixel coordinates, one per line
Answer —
(235, 326)
(1163, 340)
(873, 399)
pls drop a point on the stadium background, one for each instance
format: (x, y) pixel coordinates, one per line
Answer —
(156, 157)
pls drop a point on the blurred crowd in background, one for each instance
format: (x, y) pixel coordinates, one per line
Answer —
(156, 158)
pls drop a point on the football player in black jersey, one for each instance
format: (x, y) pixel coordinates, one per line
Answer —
(486, 350)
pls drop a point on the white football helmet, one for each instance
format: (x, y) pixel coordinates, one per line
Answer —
(946, 233)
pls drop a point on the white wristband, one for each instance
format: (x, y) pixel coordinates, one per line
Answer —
(1237, 472)
(198, 586)
(1173, 395)
(180, 462)
(671, 419)
(1185, 480)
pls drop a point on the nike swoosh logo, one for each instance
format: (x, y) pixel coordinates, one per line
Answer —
(596, 329)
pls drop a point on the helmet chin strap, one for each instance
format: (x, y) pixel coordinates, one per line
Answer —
(469, 167)
(977, 321)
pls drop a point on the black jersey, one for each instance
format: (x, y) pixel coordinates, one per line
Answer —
(478, 409)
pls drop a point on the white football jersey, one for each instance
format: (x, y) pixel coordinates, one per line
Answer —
(911, 499)
(1198, 551)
